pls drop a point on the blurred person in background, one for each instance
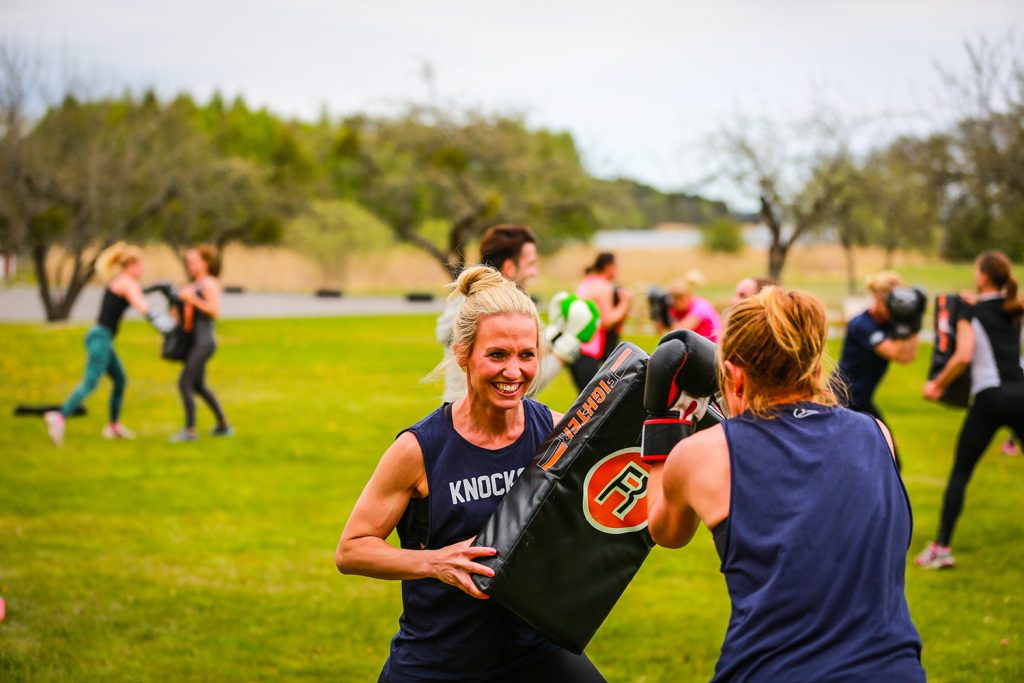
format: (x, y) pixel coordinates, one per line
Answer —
(873, 339)
(988, 341)
(201, 299)
(598, 285)
(749, 286)
(687, 311)
(121, 266)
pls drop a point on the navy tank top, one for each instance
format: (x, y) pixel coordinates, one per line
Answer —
(444, 634)
(112, 308)
(814, 551)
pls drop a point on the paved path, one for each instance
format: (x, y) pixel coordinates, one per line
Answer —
(22, 304)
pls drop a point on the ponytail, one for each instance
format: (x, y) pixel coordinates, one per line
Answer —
(998, 269)
(1013, 305)
(779, 338)
(115, 257)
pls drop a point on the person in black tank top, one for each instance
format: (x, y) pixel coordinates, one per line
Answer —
(121, 265)
(808, 512)
(438, 483)
(989, 341)
(203, 298)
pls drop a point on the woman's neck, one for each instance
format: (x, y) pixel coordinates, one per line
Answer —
(989, 288)
(485, 424)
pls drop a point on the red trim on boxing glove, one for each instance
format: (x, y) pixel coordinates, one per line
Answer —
(661, 434)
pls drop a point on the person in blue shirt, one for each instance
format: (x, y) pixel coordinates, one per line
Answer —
(808, 512)
(870, 344)
(439, 482)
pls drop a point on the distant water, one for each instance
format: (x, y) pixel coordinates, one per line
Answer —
(755, 236)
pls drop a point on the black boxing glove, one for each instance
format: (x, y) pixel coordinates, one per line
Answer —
(906, 310)
(658, 302)
(165, 288)
(700, 378)
(680, 382)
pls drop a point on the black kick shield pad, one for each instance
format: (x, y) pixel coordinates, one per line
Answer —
(948, 309)
(572, 531)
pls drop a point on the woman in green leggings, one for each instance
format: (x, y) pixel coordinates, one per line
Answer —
(121, 265)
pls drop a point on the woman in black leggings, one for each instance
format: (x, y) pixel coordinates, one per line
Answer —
(203, 298)
(988, 338)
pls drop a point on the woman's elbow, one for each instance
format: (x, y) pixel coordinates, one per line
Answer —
(666, 537)
(343, 558)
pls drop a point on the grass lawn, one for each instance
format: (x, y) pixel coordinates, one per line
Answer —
(144, 560)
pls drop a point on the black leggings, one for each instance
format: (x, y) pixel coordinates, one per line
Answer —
(992, 409)
(193, 380)
(872, 410)
(561, 666)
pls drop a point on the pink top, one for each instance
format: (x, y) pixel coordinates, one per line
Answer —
(595, 347)
(710, 324)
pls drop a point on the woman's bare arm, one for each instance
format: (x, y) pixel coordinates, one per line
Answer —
(363, 548)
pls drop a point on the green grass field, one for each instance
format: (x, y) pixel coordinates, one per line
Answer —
(213, 561)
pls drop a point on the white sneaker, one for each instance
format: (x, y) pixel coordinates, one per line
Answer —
(54, 426)
(118, 431)
(935, 556)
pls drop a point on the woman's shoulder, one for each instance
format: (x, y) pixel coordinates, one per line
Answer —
(704, 307)
(536, 408)
(428, 421)
(209, 283)
(701, 457)
(593, 285)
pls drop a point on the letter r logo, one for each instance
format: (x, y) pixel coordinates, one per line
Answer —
(615, 493)
(631, 483)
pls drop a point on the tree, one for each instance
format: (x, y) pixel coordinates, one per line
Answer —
(81, 177)
(899, 202)
(222, 200)
(795, 173)
(470, 170)
(983, 176)
(333, 232)
(723, 234)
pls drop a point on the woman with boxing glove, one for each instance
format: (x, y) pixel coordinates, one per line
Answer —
(873, 339)
(808, 512)
(439, 482)
(121, 266)
(988, 341)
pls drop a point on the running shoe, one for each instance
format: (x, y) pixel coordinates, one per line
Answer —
(935, 556)
(226, 430)
(54, 426)
(117, 430)
(182, 437)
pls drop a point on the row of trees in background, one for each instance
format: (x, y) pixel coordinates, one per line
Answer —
(957, 190)
(79, 172)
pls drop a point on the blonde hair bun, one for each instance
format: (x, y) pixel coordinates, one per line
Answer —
(883, 282)
(686, 284)
(476, 279)
(115, 257)
(779, 338)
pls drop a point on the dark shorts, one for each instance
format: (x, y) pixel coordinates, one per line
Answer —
(561, 666)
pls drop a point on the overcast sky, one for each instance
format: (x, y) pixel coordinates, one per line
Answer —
(639, 83)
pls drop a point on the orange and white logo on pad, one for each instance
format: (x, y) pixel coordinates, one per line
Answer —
(615, 492)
